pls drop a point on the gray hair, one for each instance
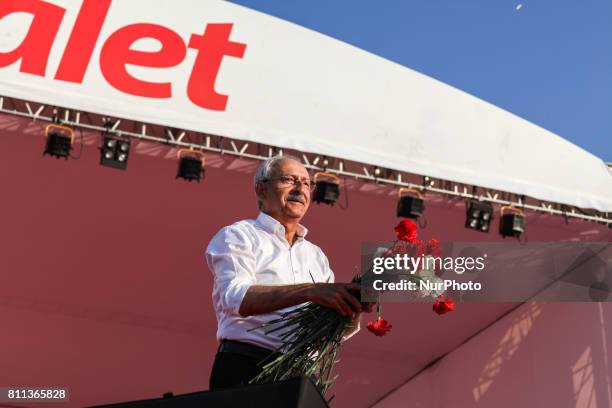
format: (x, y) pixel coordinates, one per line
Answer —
(264, 171)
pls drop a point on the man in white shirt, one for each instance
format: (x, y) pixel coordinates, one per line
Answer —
(265, 267)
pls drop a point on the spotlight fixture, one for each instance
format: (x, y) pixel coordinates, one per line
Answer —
(410, 206)
(377, 171)
(326, 191)
(427, 182)
(191, 165)
(511, 223)
(114, 152)
(59, 141)
(479, 216)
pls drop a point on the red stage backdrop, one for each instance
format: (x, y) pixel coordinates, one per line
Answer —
(105, 290)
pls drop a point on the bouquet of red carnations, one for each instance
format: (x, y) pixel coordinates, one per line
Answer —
(313, 334)
(311, 339)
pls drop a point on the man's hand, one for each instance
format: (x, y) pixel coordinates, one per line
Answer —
(261, 299)
(336, 296)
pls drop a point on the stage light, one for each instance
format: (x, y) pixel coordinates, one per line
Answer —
(511, 223)
(114, 152)
(326, 191)
(377, 171)
(427, 182)
(191, 165)
(410, 206)
(479, 216)
(59, 141)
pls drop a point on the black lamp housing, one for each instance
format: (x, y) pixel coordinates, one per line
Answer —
(326, 192)
(512, 224)
(190, 168)
(115, 152)
(479, 216)
(59, 141)
(409, 206)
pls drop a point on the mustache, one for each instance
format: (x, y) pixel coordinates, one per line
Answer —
(296, 196)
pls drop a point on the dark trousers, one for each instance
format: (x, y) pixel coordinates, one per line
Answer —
(232, 369)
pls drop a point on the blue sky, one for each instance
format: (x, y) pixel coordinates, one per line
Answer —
(549, 61)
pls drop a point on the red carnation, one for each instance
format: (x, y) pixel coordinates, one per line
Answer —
(443, 305)
(380, 327)
(420, 247)
(434, 247)
(406, 230)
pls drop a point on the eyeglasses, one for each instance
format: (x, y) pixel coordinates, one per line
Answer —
(293, 181)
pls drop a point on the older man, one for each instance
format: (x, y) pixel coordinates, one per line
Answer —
(264, 267)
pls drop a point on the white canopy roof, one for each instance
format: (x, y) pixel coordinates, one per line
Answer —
(292, 88)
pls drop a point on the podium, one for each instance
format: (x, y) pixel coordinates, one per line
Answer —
(294, 393)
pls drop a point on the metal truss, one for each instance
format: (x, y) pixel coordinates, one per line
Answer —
(257, 151)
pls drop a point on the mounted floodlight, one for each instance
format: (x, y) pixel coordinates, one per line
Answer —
(410, 205)
(479, 216)
(191, 165)
(327, 190)
(59, 141)
(114, 152)
(512, 222)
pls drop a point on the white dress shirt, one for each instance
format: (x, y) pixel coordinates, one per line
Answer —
(256, 252)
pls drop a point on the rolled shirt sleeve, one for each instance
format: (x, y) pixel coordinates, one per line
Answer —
(230, 258)
(329, 274)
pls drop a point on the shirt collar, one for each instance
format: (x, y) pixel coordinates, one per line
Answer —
(272, 225)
